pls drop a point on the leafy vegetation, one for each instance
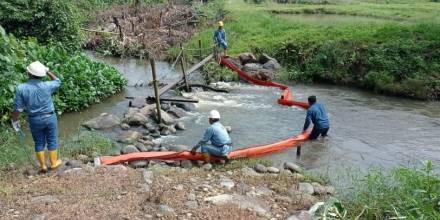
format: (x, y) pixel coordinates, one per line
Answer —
(214, 73)
(390, 56)
(404, 193)
(84, 81)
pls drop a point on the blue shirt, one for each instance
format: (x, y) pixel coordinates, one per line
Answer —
(217, 134)
(35, 96)
(220, 36)
(318, 115)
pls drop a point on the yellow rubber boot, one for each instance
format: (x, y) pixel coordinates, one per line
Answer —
(54, 162)
(207, 157)
(41, 161)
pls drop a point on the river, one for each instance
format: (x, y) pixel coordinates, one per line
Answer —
(367, 130)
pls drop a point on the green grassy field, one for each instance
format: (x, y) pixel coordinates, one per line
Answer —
(387, 48)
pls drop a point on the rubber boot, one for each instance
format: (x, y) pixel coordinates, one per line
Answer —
(54, 162)
(41, 161)
(206, 157)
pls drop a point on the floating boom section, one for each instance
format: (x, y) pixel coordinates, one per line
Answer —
(251, 151)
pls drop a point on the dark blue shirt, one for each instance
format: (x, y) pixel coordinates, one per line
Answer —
(318, 115)
(220, 36)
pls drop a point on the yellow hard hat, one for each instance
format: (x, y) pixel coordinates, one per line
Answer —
(220, 24)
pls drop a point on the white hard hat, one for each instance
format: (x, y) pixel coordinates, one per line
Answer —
(37, 69)
(214, 114)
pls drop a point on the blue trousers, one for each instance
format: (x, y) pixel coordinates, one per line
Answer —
(44, 129)
(216, 151)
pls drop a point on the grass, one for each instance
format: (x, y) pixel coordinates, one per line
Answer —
(403, 193)
(386, 48)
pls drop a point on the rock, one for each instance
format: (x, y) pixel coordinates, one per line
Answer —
(135, 119)
(129, 137)
(148, 176)
(191, 205)
(46, 199)
(147, 109)
(192, 197)
(227, 183)
(166, 118)
(151, 127)
(261, 191)
(273, 170)
(252, 67)
(260, 168)
(187, 164)
(264, 58)
(110, 27)
(318, 189)
(228, 129)
(243, 188)
(207, 167)
(165, 209)
(177, 112)
(306, 188)
(185, 106)
(165, 106)
(331, 191)
(138, 163)
(302, 200)
(143, 148)
(246, 58)
(125, 126)
(129, 149)
(155, 134)
(263, 74)
(271, 65)
(243, 202)
(247, 171)
(293, 167)
(74, 163)
(138, 103)
(104, 121)
(178, 147)
(300, 215)
(180, 126)
(165, 132)
(219, 199)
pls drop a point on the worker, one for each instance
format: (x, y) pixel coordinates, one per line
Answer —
(218, 136)
(35, 97)
(318, 115)
(220, 37)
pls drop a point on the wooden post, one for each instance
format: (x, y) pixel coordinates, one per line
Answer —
(298, 151)
(182, 63)
(200, 50)
(156, 90)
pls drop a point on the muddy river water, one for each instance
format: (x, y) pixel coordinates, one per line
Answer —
(367, 130)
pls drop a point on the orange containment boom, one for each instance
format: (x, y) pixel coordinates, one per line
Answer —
(252, 151)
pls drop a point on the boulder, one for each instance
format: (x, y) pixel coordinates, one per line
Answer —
(227, 182)
(155, 134)
(273, 170)
(137, 103)
(187, 164)
(135, 119)
(271, 65)
(165, 106)
(129, 149)
(129, 137)
(125, 126)
(151, 127)
(147, 109)
(302, 200)
(306, 188)
(247, 171)
(252, 67)
(143, 148)
(180, 126)
(264, 74)
(178, 148)
(260, 168)
(264, 58)
(104, 121)
(185, 106)
(207, 167)
(246, 58)
(166, 118)
(177, 112)
(293, 167)
(138, 163)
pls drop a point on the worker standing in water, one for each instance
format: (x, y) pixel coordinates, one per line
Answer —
(218, 136)
(220, 38)
(35, 97)
(318, 115)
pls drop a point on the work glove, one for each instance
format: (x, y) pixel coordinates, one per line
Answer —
(16, 125)
(193, 150)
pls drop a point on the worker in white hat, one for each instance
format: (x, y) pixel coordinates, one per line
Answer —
(220, 37)
(35, 98)
(220, 145)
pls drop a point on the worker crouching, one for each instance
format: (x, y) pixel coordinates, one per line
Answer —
(221, 143)
(35, 97)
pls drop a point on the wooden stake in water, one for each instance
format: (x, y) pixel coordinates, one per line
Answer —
(182, 63)
(156, 90)
(200, 50)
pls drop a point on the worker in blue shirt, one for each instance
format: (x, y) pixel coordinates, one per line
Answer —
(35, 97)
(318, 115)
(220, 37)
(218, 136)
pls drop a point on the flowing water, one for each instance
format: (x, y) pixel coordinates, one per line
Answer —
(366, 129)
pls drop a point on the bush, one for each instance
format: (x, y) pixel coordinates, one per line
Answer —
(47, 20)
(84, 81)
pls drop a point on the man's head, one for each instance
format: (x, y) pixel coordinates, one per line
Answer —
(312, 99)
(36, 70)
(220, 24)
(214, 116)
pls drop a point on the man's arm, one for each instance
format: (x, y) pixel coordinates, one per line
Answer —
(55, 81)
(307, 121)
(206, 138)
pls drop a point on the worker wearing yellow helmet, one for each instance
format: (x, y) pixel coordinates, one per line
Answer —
(220, 37)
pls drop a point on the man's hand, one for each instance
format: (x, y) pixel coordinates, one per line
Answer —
(193, 150)
(16, 125)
